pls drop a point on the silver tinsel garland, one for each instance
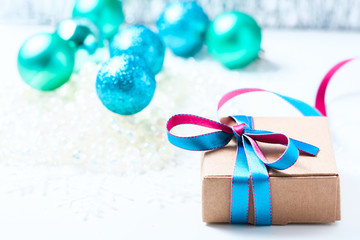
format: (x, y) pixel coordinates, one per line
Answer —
(309, 14)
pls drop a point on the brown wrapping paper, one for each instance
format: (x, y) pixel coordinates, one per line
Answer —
(308, 192)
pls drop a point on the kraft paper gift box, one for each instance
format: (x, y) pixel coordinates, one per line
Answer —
(307, 192)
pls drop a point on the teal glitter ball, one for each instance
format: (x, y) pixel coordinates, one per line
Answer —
(182, 25)
(80, 32)
(107, 15)
(141, 41)
(125, 84)
(234, 39)
(45, 61)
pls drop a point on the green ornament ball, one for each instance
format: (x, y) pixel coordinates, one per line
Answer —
(234, 39)
(107, 15)
(81, 33)
(45, 61)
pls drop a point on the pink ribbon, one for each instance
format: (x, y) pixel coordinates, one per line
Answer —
(320, 96)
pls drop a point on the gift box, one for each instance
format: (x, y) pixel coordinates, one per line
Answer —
(306, 192)
(265, 171)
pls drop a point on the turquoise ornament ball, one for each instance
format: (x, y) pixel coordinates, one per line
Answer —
(107, 15)
(234, 39)
(183, 25)
(80, 32)
(125, 84)
(141, 41)
(45, 61)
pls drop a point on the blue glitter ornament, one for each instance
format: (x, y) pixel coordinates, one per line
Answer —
(125, 84)
(141, 41)
(183, 25)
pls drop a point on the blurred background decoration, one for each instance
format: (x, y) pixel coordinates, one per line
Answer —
(302, 14)
(64, 150)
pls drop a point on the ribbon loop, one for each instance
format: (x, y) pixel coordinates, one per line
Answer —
(288, 157)
(202, 142)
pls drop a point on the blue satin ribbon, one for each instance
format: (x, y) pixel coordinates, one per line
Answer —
(249, 167)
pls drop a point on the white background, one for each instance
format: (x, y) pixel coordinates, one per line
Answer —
(44, 201)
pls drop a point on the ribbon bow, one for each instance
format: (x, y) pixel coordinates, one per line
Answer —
(250, 164)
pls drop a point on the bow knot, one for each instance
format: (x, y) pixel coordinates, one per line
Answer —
(238, 130)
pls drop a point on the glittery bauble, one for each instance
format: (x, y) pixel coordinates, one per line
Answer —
(234, 39)
(107, 15)
(183, 25)
(81, 32)
(45, 61)
(141, 41)
(125, 84)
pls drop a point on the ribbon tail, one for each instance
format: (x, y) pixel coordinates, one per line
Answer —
(240, 188)
(261, 186)
(305, 147)
(320, 96)
(302, 107)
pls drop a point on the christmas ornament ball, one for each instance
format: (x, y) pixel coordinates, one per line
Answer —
(141, 41)
(81, 32)
(107, 15)
(125, 84)
(234, 39)
(182, 25)
(45, 61)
